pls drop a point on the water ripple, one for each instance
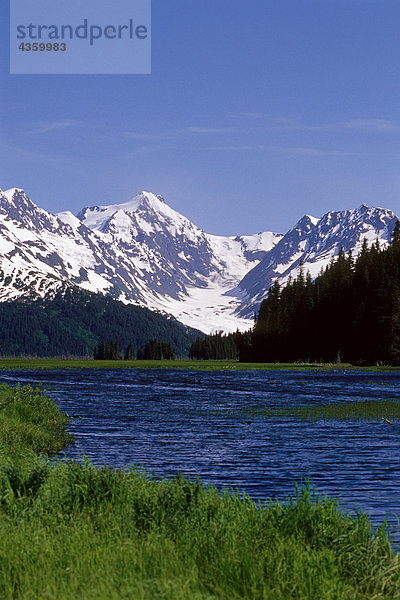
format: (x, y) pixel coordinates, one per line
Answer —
(206, 424)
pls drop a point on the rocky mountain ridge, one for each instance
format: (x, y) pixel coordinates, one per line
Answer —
(142, 251)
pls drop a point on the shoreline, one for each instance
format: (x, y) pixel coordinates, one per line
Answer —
(206, 365)
(72, 530)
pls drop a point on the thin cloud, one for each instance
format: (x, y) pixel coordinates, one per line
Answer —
(35, 156)
(48, 126)
(362, 125)
(372, 125)
(267, 128)
(298, 150)
(358, 125)
(185, 131)
(274, 120)
(254, 115)
(135, 135)
(144, 150)
(214, 130)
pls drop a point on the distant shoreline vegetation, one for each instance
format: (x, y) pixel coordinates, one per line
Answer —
(382, 410)
(47, 364)
(153, 350)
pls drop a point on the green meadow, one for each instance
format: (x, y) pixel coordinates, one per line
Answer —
(197, 365)
(71, 530)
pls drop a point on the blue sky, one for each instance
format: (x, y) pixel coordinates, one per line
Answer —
(255, 113)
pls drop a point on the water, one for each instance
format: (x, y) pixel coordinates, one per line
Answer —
(193, 422)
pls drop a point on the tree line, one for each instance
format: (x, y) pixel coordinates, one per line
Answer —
(350, 313)
(153, 350)
(217, 346)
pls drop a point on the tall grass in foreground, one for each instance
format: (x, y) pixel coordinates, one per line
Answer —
(98, 533)
(73, 531)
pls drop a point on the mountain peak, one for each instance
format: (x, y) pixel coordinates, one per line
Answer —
(16, 205)
(145, 252)
(16, 197)
(146, 210)
(143, 199)
(10, 193)
(305, 224)
(314, 220)
(364, 209)
(151, 196)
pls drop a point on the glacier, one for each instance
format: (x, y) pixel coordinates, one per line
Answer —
(143, 251)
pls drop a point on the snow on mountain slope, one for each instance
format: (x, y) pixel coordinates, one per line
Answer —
(39, 253)
(313, 242)
(142, 251)
(185, 271)
(139, 251)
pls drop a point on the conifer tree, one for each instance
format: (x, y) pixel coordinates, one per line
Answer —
(352, 310)
(129, 353)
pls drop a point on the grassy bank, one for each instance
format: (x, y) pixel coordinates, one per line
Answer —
(197, 365)
(71, 530)
(30, 423)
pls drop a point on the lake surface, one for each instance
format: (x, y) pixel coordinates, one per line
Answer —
(207, 424)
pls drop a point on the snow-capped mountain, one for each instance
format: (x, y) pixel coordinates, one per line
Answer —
(185, 271)
(313, 242)
(143, 251)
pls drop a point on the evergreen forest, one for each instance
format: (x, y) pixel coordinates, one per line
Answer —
(74, 322)
(350, 313)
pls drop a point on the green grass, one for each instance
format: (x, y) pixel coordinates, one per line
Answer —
(197, 365)
(82, 532)
(365, 410)
(70, 530)
(30, 422)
